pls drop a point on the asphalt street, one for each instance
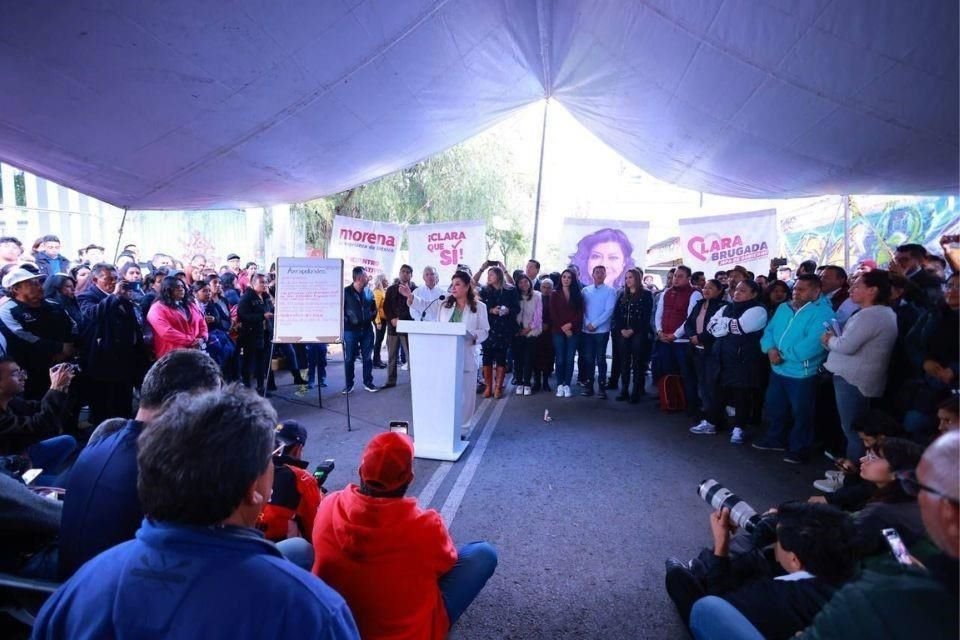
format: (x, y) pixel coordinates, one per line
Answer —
(583, 510)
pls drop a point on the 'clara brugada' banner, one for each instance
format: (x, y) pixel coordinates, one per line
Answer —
(365, 243)
(721, 242)
(445, 245)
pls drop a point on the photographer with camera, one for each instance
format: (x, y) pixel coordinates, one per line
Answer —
(114, 353)
(33, 429)
(296, 494)
(781, 592)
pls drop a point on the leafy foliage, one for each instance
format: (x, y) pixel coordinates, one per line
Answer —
(475, 180)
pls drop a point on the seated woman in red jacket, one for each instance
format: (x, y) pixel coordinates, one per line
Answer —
(393, 562)
(176, 323)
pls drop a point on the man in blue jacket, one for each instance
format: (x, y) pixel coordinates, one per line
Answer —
(792, 342)
(198, 567)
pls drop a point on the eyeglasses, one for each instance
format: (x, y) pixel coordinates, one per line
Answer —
(870, 456)
(913, 487)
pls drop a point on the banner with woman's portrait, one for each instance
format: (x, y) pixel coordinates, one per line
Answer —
(617, 245)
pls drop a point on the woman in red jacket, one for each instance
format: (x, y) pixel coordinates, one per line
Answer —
(566, 314)
(176, 323)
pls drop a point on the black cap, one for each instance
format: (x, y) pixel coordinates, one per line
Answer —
(233, 256)
(291, 432)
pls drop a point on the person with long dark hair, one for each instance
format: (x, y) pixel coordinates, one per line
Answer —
(566, 312)
(502, 307)
(775, 294)
(631, 334)
(462, 306)
(176, 324)
(737, 328)
(530, 325)
(701, 345)
(859, 356)
(61, 288)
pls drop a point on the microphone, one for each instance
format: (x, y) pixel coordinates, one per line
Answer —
(424, 314)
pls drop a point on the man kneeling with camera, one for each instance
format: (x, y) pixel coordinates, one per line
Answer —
(780, 592)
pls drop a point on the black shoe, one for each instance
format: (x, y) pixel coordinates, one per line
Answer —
(372, 388)
(514, 381)
(676, 563)
(298, 380)
(587, 391)
(347, 389)
(602, 393)
(379, 365)
(611, 385)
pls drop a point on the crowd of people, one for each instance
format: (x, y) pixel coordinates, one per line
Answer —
(187, 468)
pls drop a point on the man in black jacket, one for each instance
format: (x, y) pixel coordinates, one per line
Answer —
(39, 332)
(909, 258)
(255, 313)
(359, 310)
(114, 353)
(395, 308)
(815, 553)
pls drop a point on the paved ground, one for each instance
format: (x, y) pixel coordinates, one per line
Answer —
(583, 510)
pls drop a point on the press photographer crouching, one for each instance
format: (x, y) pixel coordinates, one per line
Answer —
(778, 574)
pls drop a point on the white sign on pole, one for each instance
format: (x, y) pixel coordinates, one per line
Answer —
(309, 300)
(365, 243)
(618, 245)
(718, 243)
(445, 245)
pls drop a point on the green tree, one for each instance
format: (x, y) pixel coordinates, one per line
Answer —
(473, 180)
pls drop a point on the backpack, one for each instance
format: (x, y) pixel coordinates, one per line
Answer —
(672, 397)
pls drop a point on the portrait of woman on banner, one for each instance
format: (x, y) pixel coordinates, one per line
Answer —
(609, 248)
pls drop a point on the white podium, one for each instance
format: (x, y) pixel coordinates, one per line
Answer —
(436, 387)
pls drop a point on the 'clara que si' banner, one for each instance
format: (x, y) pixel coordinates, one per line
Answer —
(365, 243)
(716, 243)
(445, 245)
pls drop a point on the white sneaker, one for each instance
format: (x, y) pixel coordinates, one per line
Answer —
(559, 390)
(835, 474)
(828, 485)
(704, 429)
(736, 437)
(527, 391)
(519, 390)
(567, 393)
(404, 367)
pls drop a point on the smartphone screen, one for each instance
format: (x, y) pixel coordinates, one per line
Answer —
(897, 547)
(400, 426)
(30, 475)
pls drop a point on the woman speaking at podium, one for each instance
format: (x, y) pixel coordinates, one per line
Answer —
(462, 306)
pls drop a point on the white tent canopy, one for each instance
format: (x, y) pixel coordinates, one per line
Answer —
(186, 104)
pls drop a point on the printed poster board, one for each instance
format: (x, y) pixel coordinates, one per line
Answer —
(308, 306)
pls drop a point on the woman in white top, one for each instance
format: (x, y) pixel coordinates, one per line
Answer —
(859, 358)
(530, 321)
(462, 306)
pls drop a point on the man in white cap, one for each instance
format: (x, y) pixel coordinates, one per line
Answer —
(39, 333)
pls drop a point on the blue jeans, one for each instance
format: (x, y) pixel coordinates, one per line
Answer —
(594, 355)
(316, 363)
(363, 340)
(52, 456)
(713, 618)
(786, 397)
(673, 359)
(564, 349)
(476, 562)
(851, 404)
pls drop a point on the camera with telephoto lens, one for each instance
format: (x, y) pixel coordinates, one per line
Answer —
(762, 528)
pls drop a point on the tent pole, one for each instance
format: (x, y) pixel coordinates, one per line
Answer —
(536, 211)
(123, 221)
(846, 233)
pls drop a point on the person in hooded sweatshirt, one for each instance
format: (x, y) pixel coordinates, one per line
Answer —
(198, 567)
(393, 562)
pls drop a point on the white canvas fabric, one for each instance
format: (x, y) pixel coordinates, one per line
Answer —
(185, 104)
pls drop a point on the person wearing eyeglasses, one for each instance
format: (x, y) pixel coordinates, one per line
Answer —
(916, 601)
(34, 429)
